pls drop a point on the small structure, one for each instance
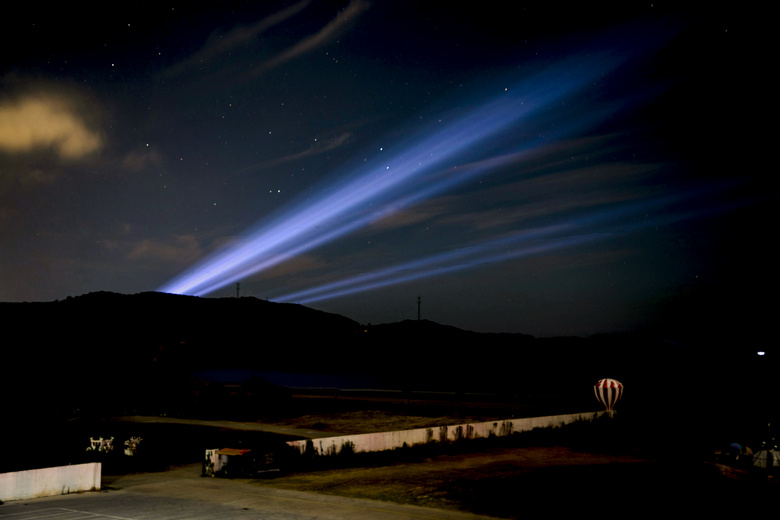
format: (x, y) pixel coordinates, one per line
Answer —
(767, 459)
(242, 462)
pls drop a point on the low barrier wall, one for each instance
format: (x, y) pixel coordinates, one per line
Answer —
(50, 481)
(382, 441)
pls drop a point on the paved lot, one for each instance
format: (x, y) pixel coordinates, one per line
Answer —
(181, 493)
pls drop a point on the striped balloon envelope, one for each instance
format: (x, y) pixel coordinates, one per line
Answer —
(608, 392)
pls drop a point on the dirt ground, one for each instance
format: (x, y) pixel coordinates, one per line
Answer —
(605, 470)
(547, 482)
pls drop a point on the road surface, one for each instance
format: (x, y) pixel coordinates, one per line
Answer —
(181, 493)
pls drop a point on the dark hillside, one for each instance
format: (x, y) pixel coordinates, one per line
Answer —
(106, 353)
(101, 348)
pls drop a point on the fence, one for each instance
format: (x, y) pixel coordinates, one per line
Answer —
(50, 481)
(382, 441)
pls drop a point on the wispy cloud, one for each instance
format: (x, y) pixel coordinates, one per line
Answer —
(139, 159)
(221, 44)
(319, 147)
(182, 249)
(324, 36)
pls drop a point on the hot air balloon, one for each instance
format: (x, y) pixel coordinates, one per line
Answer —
(608, 392)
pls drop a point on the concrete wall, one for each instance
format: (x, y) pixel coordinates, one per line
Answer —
(390, 440)
(50, 481)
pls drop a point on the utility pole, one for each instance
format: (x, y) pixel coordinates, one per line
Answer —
(418, 308)
(238, 287)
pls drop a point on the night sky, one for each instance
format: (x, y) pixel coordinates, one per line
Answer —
(530, 167)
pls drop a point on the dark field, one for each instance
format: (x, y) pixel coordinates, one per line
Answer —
(626, 467)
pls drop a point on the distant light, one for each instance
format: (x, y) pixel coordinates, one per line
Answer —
(761, 352)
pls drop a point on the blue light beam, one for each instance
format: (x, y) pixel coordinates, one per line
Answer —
(573, 232)
(368, 194)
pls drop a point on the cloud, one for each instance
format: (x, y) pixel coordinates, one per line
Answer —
(46, 121)
(185, 248)
(221, 44)
(322, 37)
(294, 267)
(319, 147)
(140, 159)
